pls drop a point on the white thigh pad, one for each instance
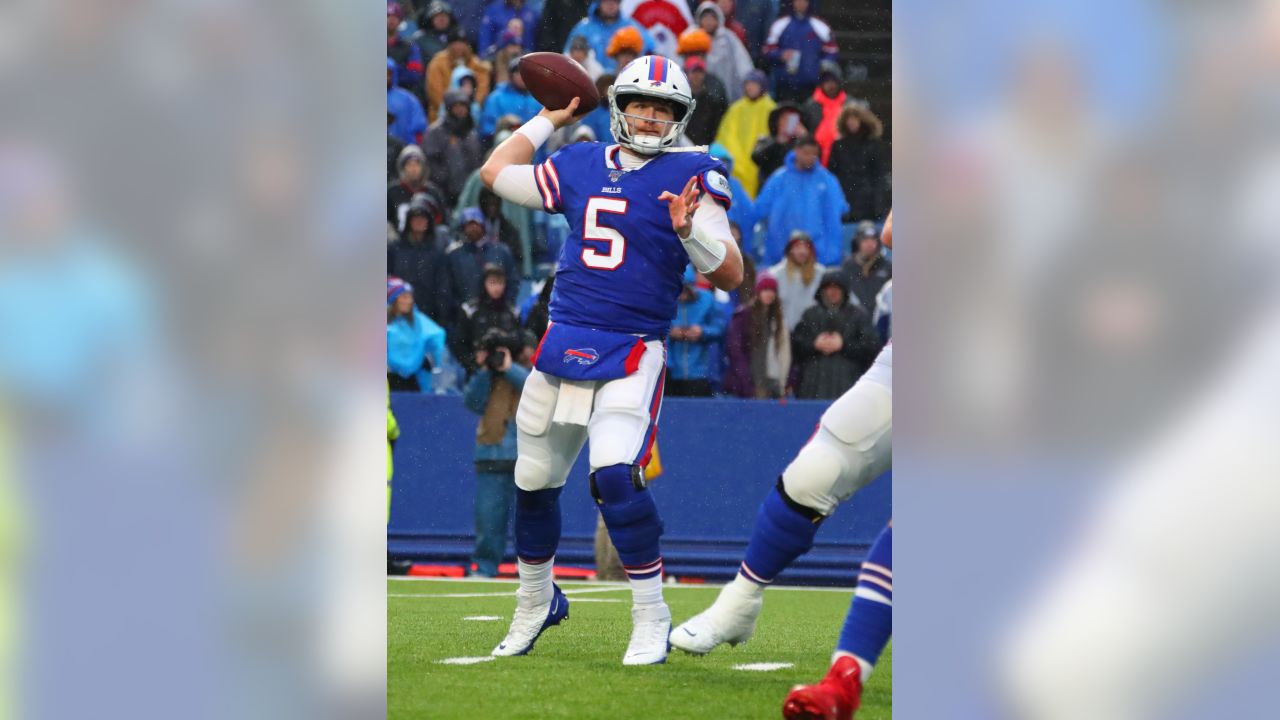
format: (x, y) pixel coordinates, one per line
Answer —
(862, 417)
(537, 403)
(621, 417)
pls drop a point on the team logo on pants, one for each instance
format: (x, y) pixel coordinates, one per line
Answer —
(582, 356)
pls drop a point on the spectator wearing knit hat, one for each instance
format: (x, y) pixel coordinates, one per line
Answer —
(415, 344)
(759, 345)
(746, 121)
(797, 276)
(408, 57)
(728, 58)
(694, 41)
(411, 182)
(462, 277)
(625, 46)
(866, 270)
(604, 18)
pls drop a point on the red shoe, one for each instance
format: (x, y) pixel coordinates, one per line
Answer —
(835, 698)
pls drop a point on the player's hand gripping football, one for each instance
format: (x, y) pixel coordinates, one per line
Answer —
(682, 206)
(563, 116)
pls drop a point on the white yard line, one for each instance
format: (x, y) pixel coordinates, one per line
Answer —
(610, 585)
(465, 660)
(764, 666)
(575, 591)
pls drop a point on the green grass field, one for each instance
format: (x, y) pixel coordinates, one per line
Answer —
(575, 670)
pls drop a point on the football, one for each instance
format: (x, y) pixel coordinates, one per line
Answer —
(555, 80)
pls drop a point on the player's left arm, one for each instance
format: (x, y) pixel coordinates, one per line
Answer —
(703, 227)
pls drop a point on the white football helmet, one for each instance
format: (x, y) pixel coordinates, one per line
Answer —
(653, 76)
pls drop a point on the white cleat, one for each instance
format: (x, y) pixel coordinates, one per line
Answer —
(730, 619)
(531, 618)
(648, 644)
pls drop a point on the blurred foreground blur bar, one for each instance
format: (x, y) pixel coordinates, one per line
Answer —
(191, 475)
(1088, 330)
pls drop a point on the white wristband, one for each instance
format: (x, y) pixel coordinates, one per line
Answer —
(537, 130)
(705, 251)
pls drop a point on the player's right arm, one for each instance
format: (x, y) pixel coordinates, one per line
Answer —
(508, 171)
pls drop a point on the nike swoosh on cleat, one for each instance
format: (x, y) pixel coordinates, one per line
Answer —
(690, 634)
(503, 646)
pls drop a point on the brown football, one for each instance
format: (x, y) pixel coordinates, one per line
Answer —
(555, 80)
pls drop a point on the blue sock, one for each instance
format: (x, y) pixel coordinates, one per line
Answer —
(631, 516)
(869, 624)
(537, 524)
(784, 531)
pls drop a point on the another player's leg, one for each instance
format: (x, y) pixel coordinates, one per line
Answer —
(622, 429)
(851, 447)
(866, 631)
(546, 452)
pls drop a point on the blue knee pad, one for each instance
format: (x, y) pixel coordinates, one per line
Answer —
(537, 524)
(631, 516)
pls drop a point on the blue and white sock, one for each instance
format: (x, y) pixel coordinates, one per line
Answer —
(784, 531)
(631, 516)
(537, 537)
(869, 624)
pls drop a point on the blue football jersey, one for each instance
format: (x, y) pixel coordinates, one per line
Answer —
(621, 265)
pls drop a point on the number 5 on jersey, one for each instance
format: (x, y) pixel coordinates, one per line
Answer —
(593, 230)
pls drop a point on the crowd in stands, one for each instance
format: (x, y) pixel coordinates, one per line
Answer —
(809, 174)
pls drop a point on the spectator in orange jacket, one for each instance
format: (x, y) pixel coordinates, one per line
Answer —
(440, 72)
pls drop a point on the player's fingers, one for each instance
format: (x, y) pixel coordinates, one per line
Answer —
(667, 196)
(692, 208)
(573, 104)
(689, 186)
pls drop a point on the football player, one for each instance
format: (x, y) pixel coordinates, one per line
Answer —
(639, 212)
(851, 447)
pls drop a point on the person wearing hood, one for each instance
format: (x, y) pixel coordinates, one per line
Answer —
(797, 44)
(729, 9)
(415, 343)
(797, 275)
(860, 161)
(709, 101)
(728, 58)
(452, 146)
(411, 186)
(759, 345)
(497, 20)
(462, 279)
(834, 343)
(509, 98)
(746, 121)
(406, 119)
(742, 211)
(516, 219)
(786, 126)
(803, 195)
(464, 81)
(604, 18)
(823, 109)
(440, 72)
(408, 56)
(434, 24)
(698, 324)
(418, 259)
